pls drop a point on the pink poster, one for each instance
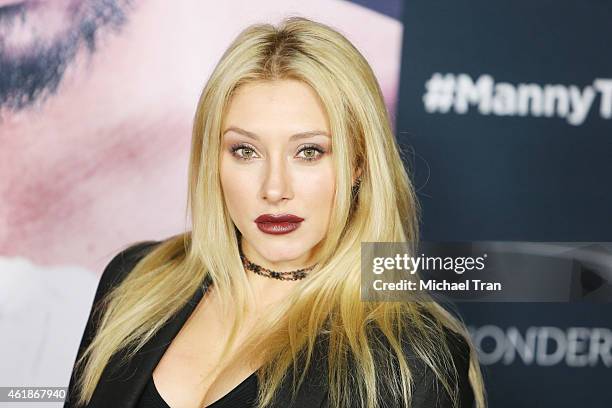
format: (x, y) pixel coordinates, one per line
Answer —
(96, 106)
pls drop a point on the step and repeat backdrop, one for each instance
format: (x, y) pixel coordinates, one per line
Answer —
(505, 118)
(503, 110)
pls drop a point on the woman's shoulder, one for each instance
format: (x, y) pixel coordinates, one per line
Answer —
(428, 388)
(121, 264)
(114, 272)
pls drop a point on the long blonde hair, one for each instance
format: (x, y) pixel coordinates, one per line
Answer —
(327, 303)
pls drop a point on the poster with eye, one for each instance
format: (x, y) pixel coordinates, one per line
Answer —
(97, 99)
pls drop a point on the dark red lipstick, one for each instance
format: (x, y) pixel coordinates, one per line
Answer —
(278, 224)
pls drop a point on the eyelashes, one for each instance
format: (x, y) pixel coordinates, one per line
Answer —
(314, 151)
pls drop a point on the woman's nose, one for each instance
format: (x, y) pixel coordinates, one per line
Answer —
(277, 180)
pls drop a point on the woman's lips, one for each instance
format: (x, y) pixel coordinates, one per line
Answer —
(277, 224)
(277, 228)
(278, 218)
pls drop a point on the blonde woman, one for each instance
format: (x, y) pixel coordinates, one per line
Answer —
(293, 164)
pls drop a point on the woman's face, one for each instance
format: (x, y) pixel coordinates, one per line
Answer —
(276, 160)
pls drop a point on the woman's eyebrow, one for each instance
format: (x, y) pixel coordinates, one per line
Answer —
(296, 136)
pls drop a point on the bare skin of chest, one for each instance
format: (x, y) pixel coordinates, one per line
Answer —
(187, 377)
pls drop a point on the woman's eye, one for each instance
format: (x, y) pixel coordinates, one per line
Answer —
(311, 153)
(246, 151)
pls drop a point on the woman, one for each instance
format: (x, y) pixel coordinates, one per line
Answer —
(293, 165)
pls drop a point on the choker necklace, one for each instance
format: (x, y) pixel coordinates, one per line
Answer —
(260, 270)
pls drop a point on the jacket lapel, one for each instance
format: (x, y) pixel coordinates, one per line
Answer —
(120, 386)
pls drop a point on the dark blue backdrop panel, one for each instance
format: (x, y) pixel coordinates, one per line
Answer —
(505, 114)
(571, 344)
(510, 173)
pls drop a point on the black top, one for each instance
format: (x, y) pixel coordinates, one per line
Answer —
(127, 384)
(243, 395)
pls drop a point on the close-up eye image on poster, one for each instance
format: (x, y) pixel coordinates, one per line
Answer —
(305, 204)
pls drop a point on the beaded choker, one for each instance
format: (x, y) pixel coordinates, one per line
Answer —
(260, 270)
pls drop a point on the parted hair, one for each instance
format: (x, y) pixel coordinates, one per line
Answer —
(360, 337)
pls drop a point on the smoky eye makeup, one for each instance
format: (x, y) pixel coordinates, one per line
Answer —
(242, 147)
(311, 151)
(308, 152)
